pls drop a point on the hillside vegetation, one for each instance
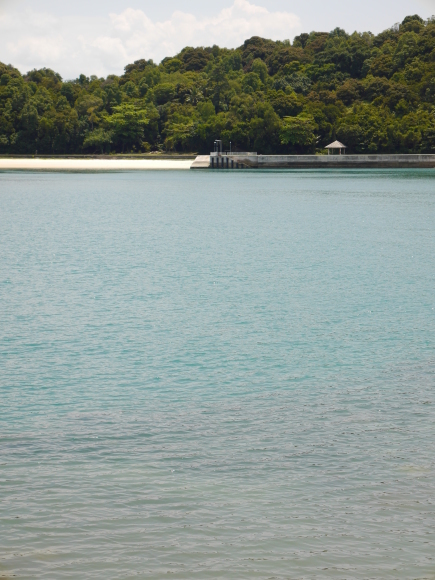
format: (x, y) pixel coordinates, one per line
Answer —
(373, 93)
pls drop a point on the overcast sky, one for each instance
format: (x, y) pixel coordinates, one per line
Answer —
(102, 36)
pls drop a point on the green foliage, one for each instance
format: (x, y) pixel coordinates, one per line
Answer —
(299, 132)
(163, 93)
(251, 82)
(260, 68)
(297, 82)
(374, 93)
(195, 59)
(127, 123)
(206, 110)
(285, 104)
(99, 139)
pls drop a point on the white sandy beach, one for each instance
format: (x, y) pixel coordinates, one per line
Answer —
(93, 164)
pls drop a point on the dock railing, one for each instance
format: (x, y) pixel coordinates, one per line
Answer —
(232, 159)
(232, 153)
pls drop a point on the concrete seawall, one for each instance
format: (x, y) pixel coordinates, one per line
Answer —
(315, 161)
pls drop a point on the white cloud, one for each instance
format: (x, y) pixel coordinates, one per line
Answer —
(105, 45)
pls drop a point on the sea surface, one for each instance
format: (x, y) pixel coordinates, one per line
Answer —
(217, 375)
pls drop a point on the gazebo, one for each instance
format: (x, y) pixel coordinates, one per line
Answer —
(336, 146)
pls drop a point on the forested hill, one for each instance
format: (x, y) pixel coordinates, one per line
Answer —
(373, 93)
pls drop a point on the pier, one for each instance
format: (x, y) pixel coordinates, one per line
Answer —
(249, 160)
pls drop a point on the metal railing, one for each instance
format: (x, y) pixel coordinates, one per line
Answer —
(233, 153)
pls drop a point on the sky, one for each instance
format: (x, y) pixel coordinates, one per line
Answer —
(101, 36)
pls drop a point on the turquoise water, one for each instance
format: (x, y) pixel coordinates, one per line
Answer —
(217, 375)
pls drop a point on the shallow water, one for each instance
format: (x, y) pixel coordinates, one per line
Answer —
(217, 375)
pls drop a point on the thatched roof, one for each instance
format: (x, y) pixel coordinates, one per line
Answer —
(336, 145)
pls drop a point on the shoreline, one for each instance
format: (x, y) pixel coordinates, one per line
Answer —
(211, 162)
(47, 164)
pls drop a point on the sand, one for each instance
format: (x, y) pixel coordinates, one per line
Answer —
(93, 164)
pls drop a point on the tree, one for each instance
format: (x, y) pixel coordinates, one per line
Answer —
(259, 67)
(285, 104)
(299, 132)
(98, 139)
(375, 93)
(127, 124)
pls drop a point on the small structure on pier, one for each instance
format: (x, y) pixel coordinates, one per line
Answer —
(227, 159)
(336, 148)
(218, 147)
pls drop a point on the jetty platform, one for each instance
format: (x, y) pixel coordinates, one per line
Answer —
(255, 161)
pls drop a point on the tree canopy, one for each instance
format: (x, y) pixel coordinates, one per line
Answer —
(373, 93)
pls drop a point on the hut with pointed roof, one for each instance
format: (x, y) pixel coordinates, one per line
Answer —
(336, 148)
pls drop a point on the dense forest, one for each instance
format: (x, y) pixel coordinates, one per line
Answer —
(373, 93)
